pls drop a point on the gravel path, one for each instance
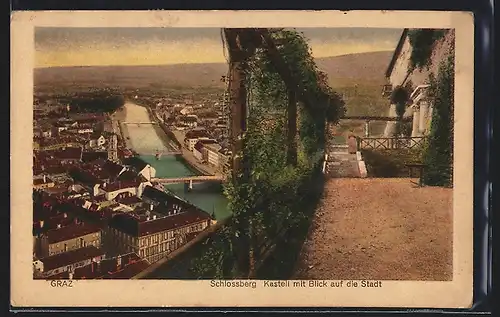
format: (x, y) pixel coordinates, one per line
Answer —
(385, 229)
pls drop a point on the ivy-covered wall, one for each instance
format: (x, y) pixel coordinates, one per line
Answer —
(438, 155)
(274, 200)
(422, 42)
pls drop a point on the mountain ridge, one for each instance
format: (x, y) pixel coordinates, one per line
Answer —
(368, 66)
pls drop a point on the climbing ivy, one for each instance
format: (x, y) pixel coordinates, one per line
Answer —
(422, 43)
(399, 97)
(272, 200)
(438, 155)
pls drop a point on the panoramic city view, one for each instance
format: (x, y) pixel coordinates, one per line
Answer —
(221, 153)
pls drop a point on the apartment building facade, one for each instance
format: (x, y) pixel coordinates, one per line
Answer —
(69, 238)
(153, 237)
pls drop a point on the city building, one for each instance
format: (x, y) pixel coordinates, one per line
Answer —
(112, 190)
(66, 262)
(70, 237)
(153, 237)
(141, 167)
(154, 232)
(190, 121)
(224, 160)
(213, 154)
(123, 266)
(194, 136)
(97, 140)
(44, 182)
(69, 155)
(414, 81)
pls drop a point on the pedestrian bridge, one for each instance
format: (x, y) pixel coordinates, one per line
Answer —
(162, 153)
(189, 179)
(139, 123)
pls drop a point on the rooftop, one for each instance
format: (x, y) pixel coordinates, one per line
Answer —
(41, 181)
(129, 200)
(136, 163)
(71, 231)
(84, 177)
(92, 156)
(201, 143)
(69, 153)
(71, 257)
(131, 264)
(120, 185)
(195, 134)
(140, 227)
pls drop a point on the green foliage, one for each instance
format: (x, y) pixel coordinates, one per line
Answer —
(439, 152)
(422, 43)
(274, 198)
(98, 101)
(400, 97)
(390, 163)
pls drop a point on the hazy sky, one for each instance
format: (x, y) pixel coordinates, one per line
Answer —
(157, 46)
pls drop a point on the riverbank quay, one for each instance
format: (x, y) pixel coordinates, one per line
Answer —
(190, 158)
(116, 118)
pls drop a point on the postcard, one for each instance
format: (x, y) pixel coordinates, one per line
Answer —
(242, 159)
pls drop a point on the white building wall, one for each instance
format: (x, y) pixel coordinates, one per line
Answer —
(148, 172)
(198, 154)
(213, 158)
(399, 77)
(112, 195)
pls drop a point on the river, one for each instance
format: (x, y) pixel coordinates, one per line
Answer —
(146, 139)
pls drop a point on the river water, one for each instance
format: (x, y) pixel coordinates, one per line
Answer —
(145, 140)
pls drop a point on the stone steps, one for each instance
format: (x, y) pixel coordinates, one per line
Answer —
(342, 164)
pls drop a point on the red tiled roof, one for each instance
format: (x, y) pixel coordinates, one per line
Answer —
(196, 134)
(127, 176)
(51, 221)
(201, 143)
(136, 227)
(93, 156)
(128, 271)
(129, 200)
(131, 265)
(119, 185)
(70, 232)
(198, 146)
(69, 153)
(84, 177)
(188, 119)
(71, 257)
(113, 169)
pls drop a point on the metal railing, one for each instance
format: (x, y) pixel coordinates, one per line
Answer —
(391, 143)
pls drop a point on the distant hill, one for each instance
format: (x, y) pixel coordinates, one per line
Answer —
(363, 67)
